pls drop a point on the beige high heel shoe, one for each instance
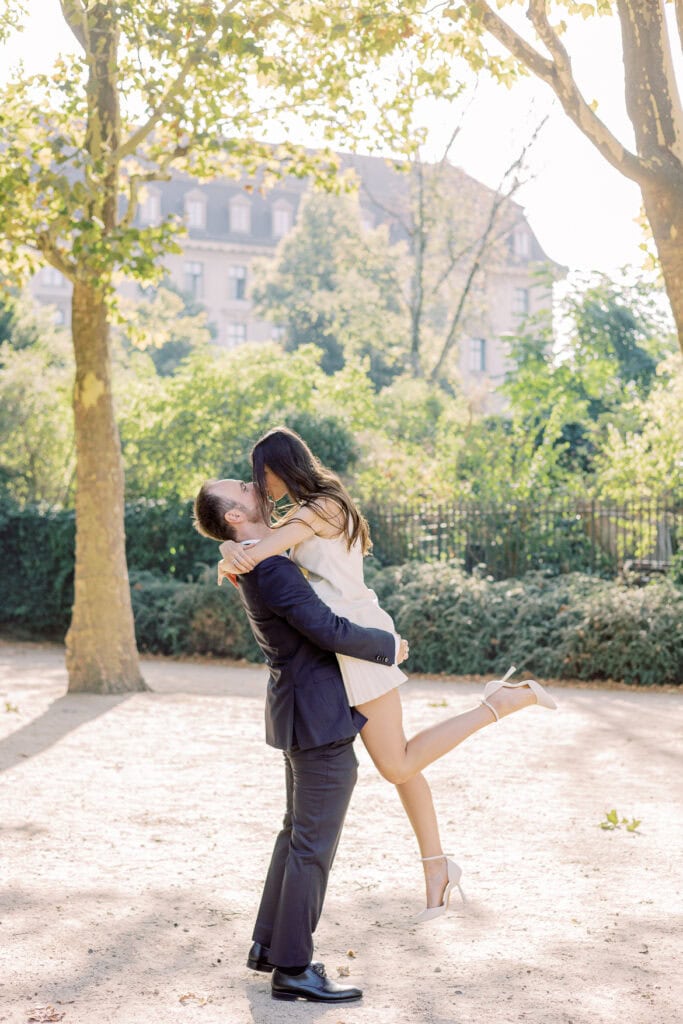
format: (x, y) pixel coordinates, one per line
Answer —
(542, 696)
(454, 876)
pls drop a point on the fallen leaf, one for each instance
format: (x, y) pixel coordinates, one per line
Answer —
(192, 997)
(351, 953)
(44, 1014)
(343, 972)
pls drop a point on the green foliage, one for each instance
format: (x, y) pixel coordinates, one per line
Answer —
(37, 567)
(37, 458)
(567, 401)
(164, 324)
(202, 421)
(570, 626)
(36, 570)
(641, 457)
(611, 822)
(336, 285)
(178, 96)
(173, 617)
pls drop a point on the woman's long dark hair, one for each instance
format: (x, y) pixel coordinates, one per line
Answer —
(308, 482)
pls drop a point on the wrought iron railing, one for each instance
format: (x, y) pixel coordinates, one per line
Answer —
(508, 540)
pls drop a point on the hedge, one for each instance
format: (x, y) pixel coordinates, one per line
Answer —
(565, 627)
(37, 558)
(569, 626)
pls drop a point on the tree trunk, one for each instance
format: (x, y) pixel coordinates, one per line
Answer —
(101, 653)
(664, 209)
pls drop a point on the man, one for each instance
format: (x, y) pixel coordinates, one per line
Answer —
(308, 717)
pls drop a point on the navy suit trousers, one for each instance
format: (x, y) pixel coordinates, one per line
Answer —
(319, 784)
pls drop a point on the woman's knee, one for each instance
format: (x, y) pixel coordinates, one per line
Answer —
(394, 773)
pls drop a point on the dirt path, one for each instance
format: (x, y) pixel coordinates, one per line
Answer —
(135, 833)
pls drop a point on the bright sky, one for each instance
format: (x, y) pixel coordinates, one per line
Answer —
(582, 210)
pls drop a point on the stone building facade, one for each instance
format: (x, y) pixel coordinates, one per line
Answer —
(231, 226)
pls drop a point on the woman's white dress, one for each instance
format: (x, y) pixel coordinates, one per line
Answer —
(336, 575)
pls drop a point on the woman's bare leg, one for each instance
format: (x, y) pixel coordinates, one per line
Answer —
(399, 759)
(416, 797)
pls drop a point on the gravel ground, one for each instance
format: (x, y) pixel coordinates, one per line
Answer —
(136, 833)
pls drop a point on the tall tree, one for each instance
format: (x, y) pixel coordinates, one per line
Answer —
(456, 232)
(184, 85)
(337, 285)
(653, 100)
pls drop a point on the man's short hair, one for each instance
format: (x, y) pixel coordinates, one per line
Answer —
(209, 513)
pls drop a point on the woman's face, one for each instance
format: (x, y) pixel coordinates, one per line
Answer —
(275, 486)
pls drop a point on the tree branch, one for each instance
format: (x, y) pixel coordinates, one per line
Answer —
(486, 240)
(557, 73)
(128, 147)
(161, 173)
(46, 245)
(193, 58)
(75, 17)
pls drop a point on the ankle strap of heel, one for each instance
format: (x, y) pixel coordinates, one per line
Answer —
(485, 703)
(438, 856)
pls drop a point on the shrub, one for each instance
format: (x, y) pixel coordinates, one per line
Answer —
(570, 626)
(176, 617)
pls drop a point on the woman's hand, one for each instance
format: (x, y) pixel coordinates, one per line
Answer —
(403, 651)
(236, 559)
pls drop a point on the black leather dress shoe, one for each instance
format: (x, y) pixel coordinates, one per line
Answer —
(257, 959)
(313, 985)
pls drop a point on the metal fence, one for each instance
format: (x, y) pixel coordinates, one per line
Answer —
(509, 540)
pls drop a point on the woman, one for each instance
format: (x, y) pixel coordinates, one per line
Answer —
(329, 537)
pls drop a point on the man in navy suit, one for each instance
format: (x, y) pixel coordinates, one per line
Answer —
(309, 719)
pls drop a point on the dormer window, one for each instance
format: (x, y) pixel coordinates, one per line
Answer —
(150, 207)
(240, 215)
(521, 243)
(282, 219)
(195, 211)
(52, 278)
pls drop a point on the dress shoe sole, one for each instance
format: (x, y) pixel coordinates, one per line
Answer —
(291, 997)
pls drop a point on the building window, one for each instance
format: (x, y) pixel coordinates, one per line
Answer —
(238, 282)
(278, 332)
(195, 212)
(235, 334)
(194, 279)
(521, 243)
(240, 216)
(520, 304)
(59, 318)
(282, 221)
(52, 278)
(150, 208)
(477, 355)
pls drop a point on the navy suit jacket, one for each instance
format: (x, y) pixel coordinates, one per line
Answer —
(306, 704)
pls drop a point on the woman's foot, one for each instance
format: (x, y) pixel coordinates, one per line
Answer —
(503, 698)
(441, 874)
(436, 880)
(507, 700)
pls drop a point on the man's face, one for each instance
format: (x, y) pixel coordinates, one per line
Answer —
(243, 495)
